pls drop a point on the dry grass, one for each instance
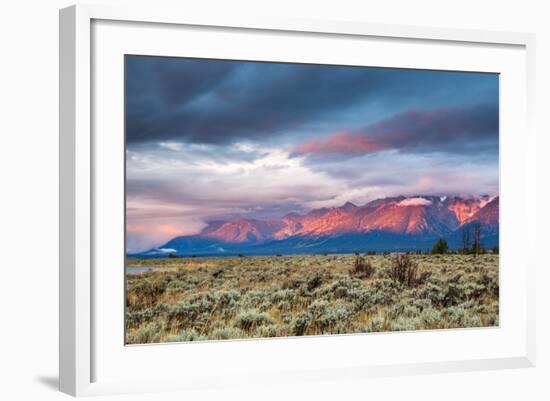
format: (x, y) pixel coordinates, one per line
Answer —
(227, 298)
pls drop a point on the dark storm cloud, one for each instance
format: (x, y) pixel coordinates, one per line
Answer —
(218, 101)
(158, 88)
(213, 101)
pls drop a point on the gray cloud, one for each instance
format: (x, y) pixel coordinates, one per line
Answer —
(213, 101)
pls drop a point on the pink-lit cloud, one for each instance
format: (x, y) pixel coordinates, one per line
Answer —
(453, 130)
(342, 142)
(150, 233)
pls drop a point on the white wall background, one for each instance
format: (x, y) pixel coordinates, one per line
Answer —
(29, 186)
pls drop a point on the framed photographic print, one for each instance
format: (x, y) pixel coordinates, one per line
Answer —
(278, 200)
(325, 199)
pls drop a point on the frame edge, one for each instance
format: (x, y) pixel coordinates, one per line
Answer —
(532, 187)
(74, 201)
(67, 112)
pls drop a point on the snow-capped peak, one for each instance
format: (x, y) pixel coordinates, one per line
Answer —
(485, 201)
(415, 202)
(167, 250)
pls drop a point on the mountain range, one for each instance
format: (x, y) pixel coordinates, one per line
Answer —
(388, 224)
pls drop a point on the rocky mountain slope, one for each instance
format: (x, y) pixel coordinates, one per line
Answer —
(393, 223)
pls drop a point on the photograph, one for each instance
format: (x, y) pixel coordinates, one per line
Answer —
(279, 199)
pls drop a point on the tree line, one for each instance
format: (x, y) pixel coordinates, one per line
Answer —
(471, 242)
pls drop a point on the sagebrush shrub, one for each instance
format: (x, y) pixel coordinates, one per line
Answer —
(249, 320)
(455, 315)
(362, 267)
(227, 333)
(135, 318)
(434, 293)
(267, 331)
(300, 324)
(185, 335)
(314, 282)
(405, 271)
(147, 291)
(472, 321)
(402, 323)
(431, 317)
(376, 323)
(454, 295)
(281, 296)
(148, 333)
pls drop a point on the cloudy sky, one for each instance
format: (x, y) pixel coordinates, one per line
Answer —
(212, 139)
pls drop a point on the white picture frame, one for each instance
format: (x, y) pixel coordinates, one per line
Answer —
(80, 344)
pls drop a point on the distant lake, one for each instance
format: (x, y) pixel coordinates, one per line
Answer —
(141, 269)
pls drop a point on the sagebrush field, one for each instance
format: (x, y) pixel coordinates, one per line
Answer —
(221, 298)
